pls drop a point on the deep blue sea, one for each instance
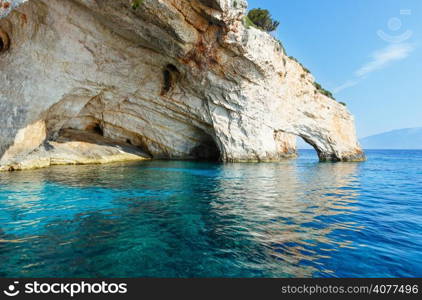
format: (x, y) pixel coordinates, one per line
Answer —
(297, 218)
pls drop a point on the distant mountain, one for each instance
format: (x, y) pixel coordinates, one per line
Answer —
(409, 138)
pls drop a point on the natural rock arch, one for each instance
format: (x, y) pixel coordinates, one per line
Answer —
(171, 77)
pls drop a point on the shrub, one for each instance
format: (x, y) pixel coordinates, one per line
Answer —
(136, 3)
(262, 19)
(323, 91)
(282, 47)
(248, 23)
(303, 67)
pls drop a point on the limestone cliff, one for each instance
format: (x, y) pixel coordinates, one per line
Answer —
(98, 80)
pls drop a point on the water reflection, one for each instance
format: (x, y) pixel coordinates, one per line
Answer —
(290, 211)
(177, 219)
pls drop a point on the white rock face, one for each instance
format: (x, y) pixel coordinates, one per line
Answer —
(177, 79)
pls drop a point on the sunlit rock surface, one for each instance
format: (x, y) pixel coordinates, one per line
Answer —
(174, 79)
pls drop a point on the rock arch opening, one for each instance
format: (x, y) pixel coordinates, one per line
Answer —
(324, 153)
(303, 144)
(290, 145)
(304, 147)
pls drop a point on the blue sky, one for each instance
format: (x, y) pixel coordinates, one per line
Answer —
(368, 52)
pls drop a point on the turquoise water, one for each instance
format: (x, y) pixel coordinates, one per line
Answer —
(297, 218)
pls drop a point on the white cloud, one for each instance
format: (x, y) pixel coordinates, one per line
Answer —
(379, 60)
(345, 85)
(383, 57)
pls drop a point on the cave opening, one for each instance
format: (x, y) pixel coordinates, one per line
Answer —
(207, 150)
(170, 76)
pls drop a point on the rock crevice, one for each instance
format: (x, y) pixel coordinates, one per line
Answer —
(175, 79)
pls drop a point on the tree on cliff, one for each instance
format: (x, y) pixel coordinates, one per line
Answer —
(262, 19)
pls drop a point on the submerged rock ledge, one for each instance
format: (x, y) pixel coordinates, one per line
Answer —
(86, 81)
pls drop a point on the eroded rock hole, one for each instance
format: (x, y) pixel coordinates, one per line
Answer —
(98, 129)
(95, 128)
(170, 76)
(4, 41)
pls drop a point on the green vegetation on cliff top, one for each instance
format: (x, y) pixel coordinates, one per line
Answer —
(261, 19)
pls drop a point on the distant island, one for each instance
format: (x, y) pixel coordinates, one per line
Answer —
(408, 138)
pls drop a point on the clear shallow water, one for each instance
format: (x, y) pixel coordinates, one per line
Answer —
(296, 218)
